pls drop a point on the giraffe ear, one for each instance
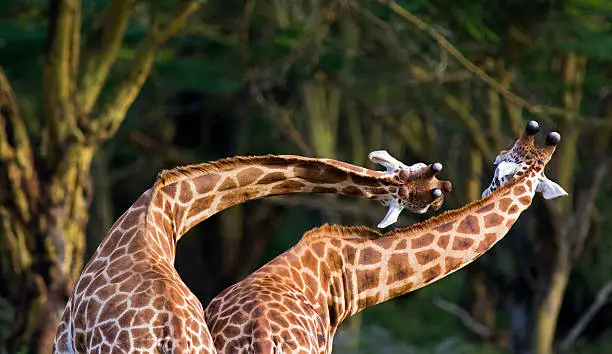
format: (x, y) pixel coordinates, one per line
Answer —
(505, 168)
(486, 192)
(392, 214)
(550, 189)
(500, 157)
(383, 158)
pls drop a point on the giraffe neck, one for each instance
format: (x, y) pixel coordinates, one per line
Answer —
(361, 267)
(183, 197)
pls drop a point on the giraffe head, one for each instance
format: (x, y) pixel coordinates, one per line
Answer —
(513, 163)
(420, 188)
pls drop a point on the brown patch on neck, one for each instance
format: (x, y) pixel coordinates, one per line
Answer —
(469, 225)
(248, 175)
(431, 273)
(272, 177)
(492, 219)
(487, 242)
(427, 256)
(443, 241)
(399, 268)
(452, 263)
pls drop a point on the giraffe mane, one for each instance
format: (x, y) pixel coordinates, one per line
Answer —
(341, 231)
(448, 216)
(166, 177)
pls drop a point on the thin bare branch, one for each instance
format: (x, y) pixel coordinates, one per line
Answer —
(585, 205)
(465, 317)
(471, 124)
(407, 130)
(601, 299)
(281, 117)
(101, 50)
(169, 153)
(244, 33)
(113, 111)
(60, 69)
(540, 110)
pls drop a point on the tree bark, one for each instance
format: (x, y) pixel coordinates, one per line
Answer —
(45, 195)
(565, 233)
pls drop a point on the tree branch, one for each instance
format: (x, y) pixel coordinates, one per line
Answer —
(600, 300)
(472, 124)
(585, 204)
(539, 110)
(113, 111)
(495, 112)
(282, 118)
(16, 160)
(405, 130)
(60, 69)
(467, 320)
(18, 186)
(169, 153)
(18, 257)
(499, 338)
(101, 50)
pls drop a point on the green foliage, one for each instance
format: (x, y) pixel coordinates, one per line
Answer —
(376, 67)
(217, 75)
(6, 320)
(601, 345)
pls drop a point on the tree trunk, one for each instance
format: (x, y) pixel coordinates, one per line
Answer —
(565, 234)
(45, 195)
(548, 309)
(52, 255)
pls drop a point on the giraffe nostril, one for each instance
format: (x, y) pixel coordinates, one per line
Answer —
(436, 192)
(532, 127)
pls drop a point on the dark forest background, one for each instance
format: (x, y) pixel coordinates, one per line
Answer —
(96, 97)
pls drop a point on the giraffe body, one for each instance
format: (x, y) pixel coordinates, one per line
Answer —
(130, 298)
(334, 272)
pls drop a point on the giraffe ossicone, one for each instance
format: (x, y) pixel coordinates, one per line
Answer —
(396, 168)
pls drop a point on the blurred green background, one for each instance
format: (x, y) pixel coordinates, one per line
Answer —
(96, 97)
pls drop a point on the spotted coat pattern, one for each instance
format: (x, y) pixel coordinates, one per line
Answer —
(130, 299)
(295, 303)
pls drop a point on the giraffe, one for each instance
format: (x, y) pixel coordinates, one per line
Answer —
(129, 297)
(296, 302)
